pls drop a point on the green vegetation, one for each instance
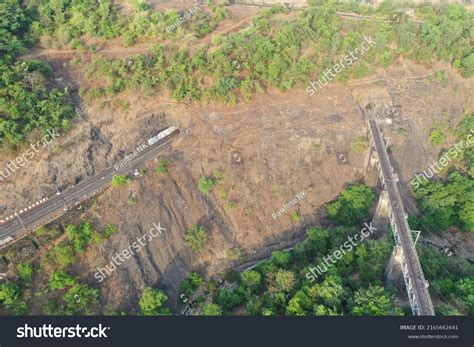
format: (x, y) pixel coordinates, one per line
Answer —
(359, 144)
(282, 53)
(190, 284)
(27, 99)
(62, 255)
(56, 291)
(354, 286)
(110, 230)
(279, 285)
(295, 217)
(251, 279)
(10, 293)
(162, 168)
(447, 203)
(60, 280)
(78, 238)
(352, 206)
(450, 202)
(25, 272)
(437, 136)
(196, 238)
(451, 280)
(205, 185)
(271, 52)
(58, 26)
(373, 302)
(80, 235)
(152, 303)
(212, 310)
(119, 181)
(235, 253)
(80, 299)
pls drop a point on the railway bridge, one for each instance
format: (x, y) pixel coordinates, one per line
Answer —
(415, 282)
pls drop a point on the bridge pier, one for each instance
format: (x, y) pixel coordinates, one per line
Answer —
(394, 272)
(381, 217)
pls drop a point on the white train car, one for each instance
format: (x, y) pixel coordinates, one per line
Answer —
(161, 135)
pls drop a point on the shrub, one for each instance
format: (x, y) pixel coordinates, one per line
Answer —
(190, 284)
(25, 272)
(119, 181)
(163, 167)
(212, 310)
(196, 238)
(64, 255)
(60, 280)
(295, 217)
(437, 137)
(80, 298)
(205, 185)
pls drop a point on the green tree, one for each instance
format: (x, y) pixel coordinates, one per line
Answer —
(251, 279)
(465, 291)
(281, 259)
(352, 206)
(446, 203)
(81, 235)
(80, 299)
(285, 280)
(212, 310)
(110, 230)
(190, 284)
(9, 294)
(25, 272)
(329, 293)
(152, 303)
(60, 279)
(228, 299)
(63, 254)
(373, 301)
